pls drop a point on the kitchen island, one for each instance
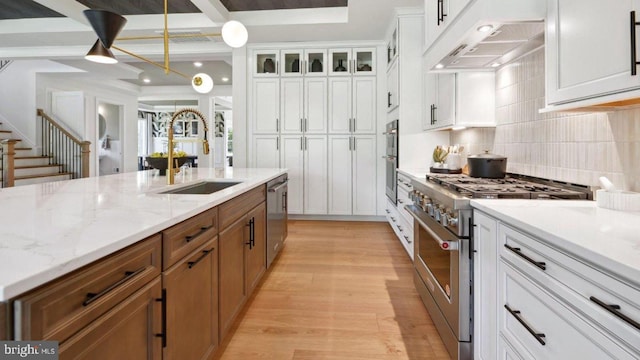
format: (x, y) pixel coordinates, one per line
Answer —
(83, 256)
(51, 229)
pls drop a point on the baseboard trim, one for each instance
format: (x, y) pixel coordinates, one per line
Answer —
(338, 217)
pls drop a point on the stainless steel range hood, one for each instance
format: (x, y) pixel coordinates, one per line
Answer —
(486, 33)
(501, 44)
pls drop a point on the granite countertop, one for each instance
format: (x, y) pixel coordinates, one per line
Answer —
(48, 230)
(606, 239)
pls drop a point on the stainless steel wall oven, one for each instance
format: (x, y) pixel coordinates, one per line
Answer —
(391, 157)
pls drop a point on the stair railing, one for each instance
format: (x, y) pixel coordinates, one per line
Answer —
(63, 148)
(8, 153)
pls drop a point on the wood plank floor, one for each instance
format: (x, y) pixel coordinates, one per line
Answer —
(338, 290)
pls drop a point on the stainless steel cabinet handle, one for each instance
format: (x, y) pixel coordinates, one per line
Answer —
(278, 143)
(277, 125)
(387, 210)
(301, 126)
(306, 124)
(393, 219)
(306, 143)
(516, 314)
(540, 264)
(615, 310)
(301, 144)
(407, 238)
(354, 143)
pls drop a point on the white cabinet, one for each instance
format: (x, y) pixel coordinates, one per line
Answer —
(352, 105)
(439, 92)
(266, 151)
(400, 227)
(588, 50)
(485, 283)
(292, 105)
(535, 301)
(304, 105)
(265, 105)
(352, 172)
(305, 157)
(307, 62)
(354, 61)
(438, 14)
(392, 87)
(465, 99)
(265, 63)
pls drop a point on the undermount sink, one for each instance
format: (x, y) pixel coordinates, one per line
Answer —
(202, 188)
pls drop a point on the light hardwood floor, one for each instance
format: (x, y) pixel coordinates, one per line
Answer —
(338, 290)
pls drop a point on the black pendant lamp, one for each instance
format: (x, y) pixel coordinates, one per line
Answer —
(107, 26)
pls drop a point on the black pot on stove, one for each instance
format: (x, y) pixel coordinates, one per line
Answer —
(487, 165)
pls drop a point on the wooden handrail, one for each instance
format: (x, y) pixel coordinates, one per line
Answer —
(55, 124)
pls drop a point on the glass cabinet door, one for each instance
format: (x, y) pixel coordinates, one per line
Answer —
(364, 61)
(291, 63)
(339, 60)
(315, 62)
(266, 63)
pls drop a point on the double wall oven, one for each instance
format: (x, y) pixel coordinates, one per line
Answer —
(391, 157)
(442, 244)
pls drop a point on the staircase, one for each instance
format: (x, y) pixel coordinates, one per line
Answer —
(30, 168)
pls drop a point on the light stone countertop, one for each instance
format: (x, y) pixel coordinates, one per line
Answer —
(48, 230)
(606, 239)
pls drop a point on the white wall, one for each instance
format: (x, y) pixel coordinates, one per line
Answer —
(17, 101)
(240, 126)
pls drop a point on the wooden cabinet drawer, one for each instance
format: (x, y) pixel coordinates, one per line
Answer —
(233, 209)
(128, 331)
(57, 310)
(586, 288)
(540, 326)
(181, 239)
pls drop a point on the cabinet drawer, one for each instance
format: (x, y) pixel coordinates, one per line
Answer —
(400, 227)
(127, 331)
(588, 290)
(403, 199)
(181, 239)
(540, 326)
(233, 209)
(57, 310)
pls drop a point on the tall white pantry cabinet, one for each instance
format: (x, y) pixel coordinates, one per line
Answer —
(313, 111)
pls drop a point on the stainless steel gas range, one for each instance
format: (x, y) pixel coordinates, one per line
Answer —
(442, 243)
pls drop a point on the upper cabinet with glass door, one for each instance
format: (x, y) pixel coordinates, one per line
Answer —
(356, 61)
(298, 62)
(265, 63)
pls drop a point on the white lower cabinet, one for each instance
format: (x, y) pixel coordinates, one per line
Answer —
(535, 301)
(352, 173)
(400, 227)
(485, 283)
(305, 157)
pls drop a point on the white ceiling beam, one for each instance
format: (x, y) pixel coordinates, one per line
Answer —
(69, 8)
(213, 9)
(328, 15)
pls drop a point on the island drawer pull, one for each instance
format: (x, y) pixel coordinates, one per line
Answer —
(196, 261)
(163, 334)
(516, 314)
(91, 297)
(203, 229)
(615, 310)
(540, 264)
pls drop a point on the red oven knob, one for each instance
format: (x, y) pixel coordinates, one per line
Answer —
(445, 245)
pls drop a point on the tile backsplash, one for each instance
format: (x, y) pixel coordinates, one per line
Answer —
(572, 147)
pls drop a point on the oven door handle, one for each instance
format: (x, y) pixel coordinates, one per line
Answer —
(444, 244)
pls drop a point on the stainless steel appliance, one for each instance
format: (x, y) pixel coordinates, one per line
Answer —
(276, 216)
(391, 156)
(442, 243)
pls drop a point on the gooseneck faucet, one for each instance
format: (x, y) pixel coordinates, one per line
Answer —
(205, 143)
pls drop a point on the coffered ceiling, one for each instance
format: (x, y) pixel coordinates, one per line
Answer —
(58, 30)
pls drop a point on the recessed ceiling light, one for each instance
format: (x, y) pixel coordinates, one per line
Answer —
(225, 79)
(495, 64)
(439, 66)
(485, 28)
(146, 80)
(197, 64)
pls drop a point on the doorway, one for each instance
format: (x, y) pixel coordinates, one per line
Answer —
(109, 144)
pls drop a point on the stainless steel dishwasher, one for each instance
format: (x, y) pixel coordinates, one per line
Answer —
(276, 216)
